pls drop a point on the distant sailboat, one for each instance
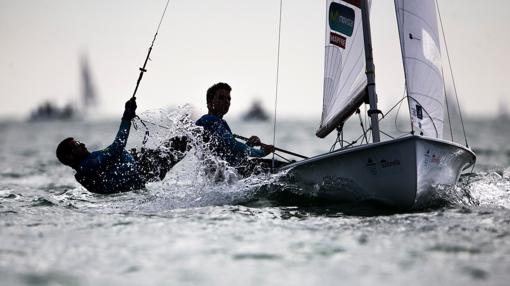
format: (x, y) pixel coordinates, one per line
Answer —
(398, 172)
(51, 111)
(88, 90)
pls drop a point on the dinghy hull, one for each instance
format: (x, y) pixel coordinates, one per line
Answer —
(398, 173)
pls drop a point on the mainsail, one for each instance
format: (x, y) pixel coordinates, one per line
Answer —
(419, 40)
(89, 96)
(344, 69)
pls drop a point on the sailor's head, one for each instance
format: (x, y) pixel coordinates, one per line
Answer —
(218, 99)
(70, 152)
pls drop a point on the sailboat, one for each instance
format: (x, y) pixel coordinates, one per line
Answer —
(49, 111)
(400, 172)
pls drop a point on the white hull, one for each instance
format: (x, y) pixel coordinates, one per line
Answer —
(397, 173)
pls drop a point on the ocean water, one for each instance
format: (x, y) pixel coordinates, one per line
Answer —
(188, 230)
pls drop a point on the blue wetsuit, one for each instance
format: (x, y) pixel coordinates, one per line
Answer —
(226, 146)
(112, 169)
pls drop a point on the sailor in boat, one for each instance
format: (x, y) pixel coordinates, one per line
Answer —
(114, 169)
(219, 135)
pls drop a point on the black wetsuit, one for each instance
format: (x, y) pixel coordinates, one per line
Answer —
(226, 146)
(114, 169)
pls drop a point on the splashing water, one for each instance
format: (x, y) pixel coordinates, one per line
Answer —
(481, 189)
(491, 188)
(200, 178)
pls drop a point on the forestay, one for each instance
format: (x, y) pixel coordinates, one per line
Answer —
(344, 68)
(419, 39)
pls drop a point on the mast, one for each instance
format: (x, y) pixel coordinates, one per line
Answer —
(373, 112)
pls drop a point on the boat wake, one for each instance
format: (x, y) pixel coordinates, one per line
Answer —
(480, 189)
(490, 188)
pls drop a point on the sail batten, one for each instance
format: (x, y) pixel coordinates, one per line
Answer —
(421, 54)
(344, 70)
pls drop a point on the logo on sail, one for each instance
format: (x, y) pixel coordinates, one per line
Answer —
(341, 19)
(419, 111)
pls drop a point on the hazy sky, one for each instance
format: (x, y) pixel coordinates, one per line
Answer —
(202, 42)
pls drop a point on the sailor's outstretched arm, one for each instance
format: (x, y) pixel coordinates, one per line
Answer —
(118, 145)
(237, 146)
(121, 138)
(221, 130)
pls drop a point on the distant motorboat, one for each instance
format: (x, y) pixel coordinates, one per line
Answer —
(49, 111)
(256, 113)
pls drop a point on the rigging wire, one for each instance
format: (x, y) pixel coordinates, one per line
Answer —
(446, 96)
(447, 107)
(145, 122)
(451, 72)
(281, 157)
(152, 123)
(361, 123)
(143, 70)
(365, 115)
(399, 103)
(429, 116)
(387, 134)
(339, 138)
(277, 78)
(369, 129)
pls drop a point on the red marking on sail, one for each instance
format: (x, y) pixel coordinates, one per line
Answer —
(337, 40)
(356, 3)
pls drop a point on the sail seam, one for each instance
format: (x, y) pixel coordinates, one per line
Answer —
(431, 66)
(336, 74)
(334, 90)
(357, 62)
(426, 95)
(348, 76)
